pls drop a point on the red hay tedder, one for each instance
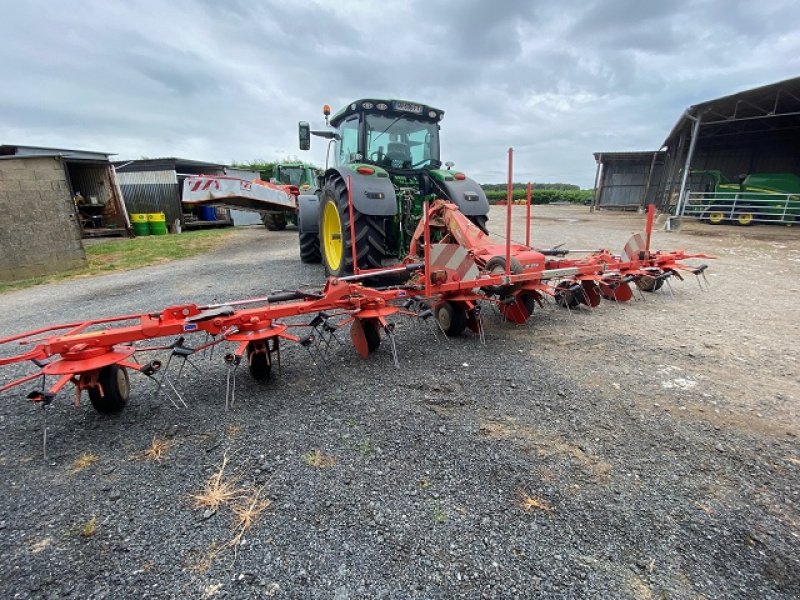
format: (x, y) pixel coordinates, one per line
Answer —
(453, 269)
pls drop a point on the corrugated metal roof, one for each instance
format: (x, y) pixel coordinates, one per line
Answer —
(16, 151)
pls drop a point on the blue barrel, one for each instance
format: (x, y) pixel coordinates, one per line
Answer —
(208, 213)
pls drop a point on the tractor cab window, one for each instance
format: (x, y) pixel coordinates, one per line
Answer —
(348, 144)
(401, 142)
(292, 175)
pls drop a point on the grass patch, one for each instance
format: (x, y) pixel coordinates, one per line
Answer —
(87, 459)
(529, 503)
(318, 459)
(246, 514)
(89, 528)
(218, 491)
(126, 254)
(158, 449)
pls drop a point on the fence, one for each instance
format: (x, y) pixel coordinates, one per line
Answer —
(743, 208)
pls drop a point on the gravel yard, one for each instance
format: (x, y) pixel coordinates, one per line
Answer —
(648, 450)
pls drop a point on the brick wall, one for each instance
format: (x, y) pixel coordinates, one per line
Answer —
(39, 233)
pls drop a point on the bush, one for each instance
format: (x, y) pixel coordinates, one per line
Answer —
(546, 196)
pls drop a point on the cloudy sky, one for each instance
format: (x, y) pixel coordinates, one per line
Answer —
(228, 80)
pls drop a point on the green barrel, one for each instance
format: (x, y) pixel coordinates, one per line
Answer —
(139, 222)
(157, 223)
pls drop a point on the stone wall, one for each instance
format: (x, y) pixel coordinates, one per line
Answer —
(39, 233)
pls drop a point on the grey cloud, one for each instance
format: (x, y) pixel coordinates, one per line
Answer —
(229, 80)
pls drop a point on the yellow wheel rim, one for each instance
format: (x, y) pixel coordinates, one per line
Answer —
(745, 218)
(332, 236)
(716, 217)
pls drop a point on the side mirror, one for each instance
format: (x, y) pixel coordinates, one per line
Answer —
(305, 135)
(449, 164)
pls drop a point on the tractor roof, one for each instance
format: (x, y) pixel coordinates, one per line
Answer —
(391, 107)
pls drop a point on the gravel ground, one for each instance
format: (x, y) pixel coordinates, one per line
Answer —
(640, 451)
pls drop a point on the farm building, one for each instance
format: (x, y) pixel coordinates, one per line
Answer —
(754, 131)
(49, 199)
(155, 185)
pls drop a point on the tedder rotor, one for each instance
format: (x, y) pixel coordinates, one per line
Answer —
(452, 269)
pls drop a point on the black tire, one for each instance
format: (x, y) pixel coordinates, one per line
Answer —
(370, 232)
(745, 217)
(648, 283)
(527, 300)
(452, 318)
(373, 334)
(274, 221)
(566, 298)
(259, 361)
(497, 265)
(309, 248)
(113, 392)
(480, 221)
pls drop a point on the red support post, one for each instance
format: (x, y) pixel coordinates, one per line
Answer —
(509, 200)
(528, 216)
(352, 228)
(648, 231)
(427, 250)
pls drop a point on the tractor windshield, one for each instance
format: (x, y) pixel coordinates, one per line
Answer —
(292, 176)
(402, 142)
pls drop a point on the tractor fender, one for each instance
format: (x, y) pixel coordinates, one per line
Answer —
(308, 213)
(372, 195)
(467, 194)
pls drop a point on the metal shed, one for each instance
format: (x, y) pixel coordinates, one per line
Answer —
(154, 185)
(627, 180)
(753, 131)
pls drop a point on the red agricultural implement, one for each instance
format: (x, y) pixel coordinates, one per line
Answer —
(452, 271)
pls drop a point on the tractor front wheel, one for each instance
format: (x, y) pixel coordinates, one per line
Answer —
(112, 391)
(309, 248)
(480, 222)
(334, 233)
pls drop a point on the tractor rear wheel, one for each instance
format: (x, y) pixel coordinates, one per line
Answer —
(334, 233)
(274, 221)
(309, 248)
(452, 318)
(113, 390)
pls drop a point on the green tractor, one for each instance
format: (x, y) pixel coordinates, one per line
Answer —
(388, 153)
(289, 173)
(756, 197)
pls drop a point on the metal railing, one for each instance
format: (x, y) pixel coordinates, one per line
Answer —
(740, 208)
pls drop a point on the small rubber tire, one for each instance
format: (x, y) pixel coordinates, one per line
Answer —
(648, 283)
(372, 333)
(452, 318)
(309, 248)
(744, 218)
(116, 389)
(497, 266)
(259, 363)
(564, 297)
(274, 221)
(527, 300)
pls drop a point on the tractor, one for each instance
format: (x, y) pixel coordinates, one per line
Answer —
(385, 166)
(755, 197)
(289, 173)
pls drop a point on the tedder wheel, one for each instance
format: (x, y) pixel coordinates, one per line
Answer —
(497, 266)
(452, 317)
(366, 336)
(334, 232)
(116, 388)
(566, 298)
(274, 221)
(648, 283)
(480, 221)
(309, 248)
(527, 300)
(259, 360)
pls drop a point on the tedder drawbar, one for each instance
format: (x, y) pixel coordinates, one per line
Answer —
(453, 268)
